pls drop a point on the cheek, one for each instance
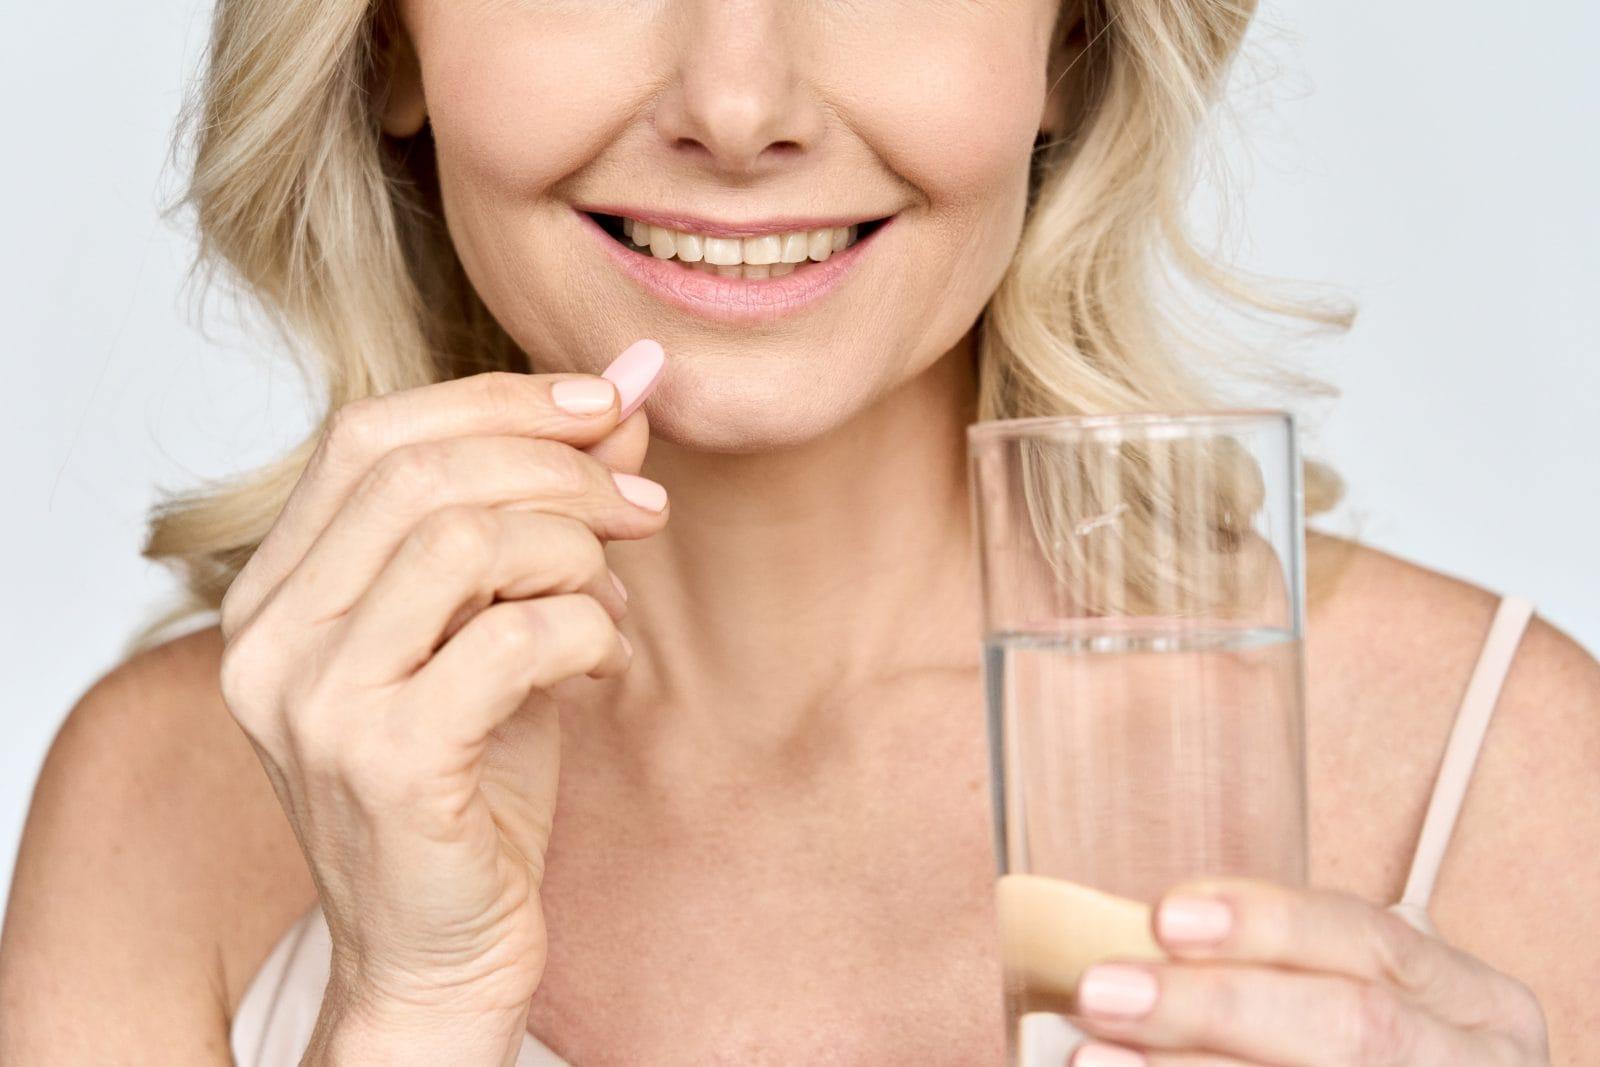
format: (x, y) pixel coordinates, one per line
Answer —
(954, 109)
(518, 101)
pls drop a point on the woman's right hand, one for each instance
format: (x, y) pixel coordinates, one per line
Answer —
(389, 651)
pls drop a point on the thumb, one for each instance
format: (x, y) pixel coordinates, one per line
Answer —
(623, 448)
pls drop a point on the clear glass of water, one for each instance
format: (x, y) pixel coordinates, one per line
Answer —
(1143, 581)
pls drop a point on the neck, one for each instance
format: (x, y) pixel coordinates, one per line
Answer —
(786, 580)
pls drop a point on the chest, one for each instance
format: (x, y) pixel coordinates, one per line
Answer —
(790, 915)
(768, 959)
(845, 923)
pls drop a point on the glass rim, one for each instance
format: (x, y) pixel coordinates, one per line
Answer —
(1113, 423)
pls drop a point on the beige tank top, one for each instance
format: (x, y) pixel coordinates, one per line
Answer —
(274, 1022)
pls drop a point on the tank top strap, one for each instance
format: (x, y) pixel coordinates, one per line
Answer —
(1460, 757)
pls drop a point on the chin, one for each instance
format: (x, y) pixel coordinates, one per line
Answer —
(747, 416)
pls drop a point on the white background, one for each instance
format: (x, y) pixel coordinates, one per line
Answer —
(1436, 161)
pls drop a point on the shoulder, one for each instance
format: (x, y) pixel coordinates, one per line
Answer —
(1422, 631)
(1389, 648)
(154, 868)
(1399, 642)
(1385, 627)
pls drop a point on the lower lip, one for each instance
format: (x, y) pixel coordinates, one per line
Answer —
(736, 300)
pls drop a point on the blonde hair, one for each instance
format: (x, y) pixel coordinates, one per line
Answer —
(335, 230)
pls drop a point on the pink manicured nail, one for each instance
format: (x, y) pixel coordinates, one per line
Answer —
(1193, 920)
(641, 491)
(636, 372)
(1116, 990)
(582, 396)
(1106, 1056)
(621, 589)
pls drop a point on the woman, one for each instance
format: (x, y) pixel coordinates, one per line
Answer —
(768, 838)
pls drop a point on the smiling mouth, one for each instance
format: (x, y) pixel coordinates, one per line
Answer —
(728, 258)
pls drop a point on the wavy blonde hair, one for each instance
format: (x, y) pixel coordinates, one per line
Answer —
(335, 231)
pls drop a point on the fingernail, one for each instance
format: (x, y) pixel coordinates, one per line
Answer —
(636, 372)
(1193, 920)
(642, 491)
(627, 646)
(1117, 991)
(621, 589)
(582, 396)
(1106, 1056)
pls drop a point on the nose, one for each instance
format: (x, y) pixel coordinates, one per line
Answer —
(738, 96)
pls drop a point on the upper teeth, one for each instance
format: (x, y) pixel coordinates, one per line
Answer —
(732, 251)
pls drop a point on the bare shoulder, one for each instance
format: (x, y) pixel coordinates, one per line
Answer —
(154, 873)
(1392, 646)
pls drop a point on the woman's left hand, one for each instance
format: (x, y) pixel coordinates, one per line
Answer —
(1268, 974)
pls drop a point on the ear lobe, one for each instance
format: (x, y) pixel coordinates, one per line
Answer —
(396, 74)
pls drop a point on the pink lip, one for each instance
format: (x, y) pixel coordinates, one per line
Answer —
(715, 228)
(734, 300)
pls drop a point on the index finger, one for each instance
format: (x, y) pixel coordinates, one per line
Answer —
(492, 403)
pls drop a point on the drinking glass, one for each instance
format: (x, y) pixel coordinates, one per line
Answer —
(1142, 583)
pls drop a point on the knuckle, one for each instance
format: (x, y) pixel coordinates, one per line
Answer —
(1280, 921)
(584, 615)
(565, 545)
(574, 636)
(250, 681)
(1220, 1005)
(409, 472)
(351, 433)
(548, 638)
(515, 629)
(587, 553)
(564, 472)
(593, 630)
(457, 538)
(1403, 952)
(1380, 1030)
(501, 393)
(239, 678)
